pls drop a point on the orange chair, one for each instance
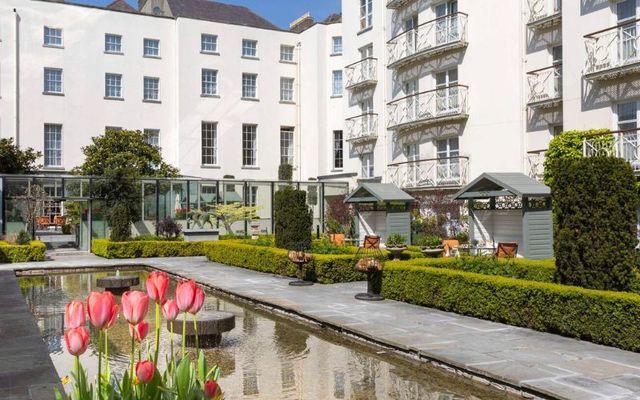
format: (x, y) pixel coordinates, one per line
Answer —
(507, 250)
(450, 247)
(372, 242)
(58, 221)
(42, 221)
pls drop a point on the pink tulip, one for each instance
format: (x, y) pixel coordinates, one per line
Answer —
(170, 310)
(198, 301)
(139, 332)
(145, 371)
(185, 294)
(74, 316)
(135, 305)
(77, 340)
(102, 309)
(157, 286)
(211, 389)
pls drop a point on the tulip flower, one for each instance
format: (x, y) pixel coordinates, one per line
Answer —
(77, 340)
(211, 389)
(157, 286)
(74, 316)
(102, 309)
(170, 310)
(139, 332)
(135, 305)
(198, 301)
(145, 371)
(185, 294)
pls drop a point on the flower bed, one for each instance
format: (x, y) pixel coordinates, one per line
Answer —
(34, 251)
(608, 318)
(146, 248)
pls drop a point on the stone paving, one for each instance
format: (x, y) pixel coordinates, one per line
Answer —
(543, 364)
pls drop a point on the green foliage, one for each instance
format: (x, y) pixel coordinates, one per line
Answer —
(146, 248)
(339, 216)
(396, 240)
(168, 228)
(608, 318)
(14, 160)
(23, 238)
(232, 213)
(33, 251)
(568, 145)
(427, 240)
(66, 229)
(595, 202)
(120, 223)
(154, 238)
(293, 219)
(285, 172)
(463, 237)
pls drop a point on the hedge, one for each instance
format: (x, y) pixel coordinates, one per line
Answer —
(146, 248)
(323, 268)
(609, 318)
(34, 251)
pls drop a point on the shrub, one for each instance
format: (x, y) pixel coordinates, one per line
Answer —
(396, 240)
(144, 249)
(285, 172)
(427, 240)
(66, 229)
(169, 228)
(595, 202)
(147, 237)
(608, 318)
(32, 251)
(23, 238)
(120, 223)
(293, 219)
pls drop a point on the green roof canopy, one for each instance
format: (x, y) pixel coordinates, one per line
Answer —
(495, 184)
(378, 192)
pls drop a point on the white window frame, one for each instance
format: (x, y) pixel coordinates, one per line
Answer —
(287, 91)
(113, 47)
(287, 53)
(151, 88)
(107, 86)
(209, 82)
(337, 90)
(366, 14)
(208, 43)
(53, 84)
(52, 155)
(52, 33)
(209, 143)
(152, 133)
(367, 164)
(249, 85)
(336, 45)
(338, 151)
(148, 50)
(249, 145)
(287, 137)
(249, 48)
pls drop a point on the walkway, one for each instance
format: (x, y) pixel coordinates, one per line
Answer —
(541, 363)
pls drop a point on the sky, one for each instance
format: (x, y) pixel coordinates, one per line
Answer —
(279, 12)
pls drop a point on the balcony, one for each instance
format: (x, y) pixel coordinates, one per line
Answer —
(396, 4)
(535, 164)
(429, 108)
(428, 40)
(449, 172)
(361, 74)
(545, 87)
(623, 144)
(544, 14)
(362, 128)
(613, 52)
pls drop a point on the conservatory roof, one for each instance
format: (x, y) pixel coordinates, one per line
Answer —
(375, 192)
(496, 184)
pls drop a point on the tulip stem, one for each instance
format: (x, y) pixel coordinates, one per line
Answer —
(157, 333)
(133, 353)
(184, 333)
(171, 366)
(195, 328)
(100, 364)
(77, 372)
(106, 355)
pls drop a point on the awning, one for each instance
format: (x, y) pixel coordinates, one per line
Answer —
(496, 184)
(378, 192)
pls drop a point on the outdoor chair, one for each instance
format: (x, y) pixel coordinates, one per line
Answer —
(42, 222)
(507, 250)
(451, 248)
(58, 221)
(372, 242)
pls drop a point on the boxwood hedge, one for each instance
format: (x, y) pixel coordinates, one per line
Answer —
(146, 248)
(34, 251)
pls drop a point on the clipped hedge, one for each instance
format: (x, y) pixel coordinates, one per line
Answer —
(609, 318)
(34, 251)
(146, 248)
(323, 268)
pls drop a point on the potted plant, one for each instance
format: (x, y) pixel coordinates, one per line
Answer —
(336, 231)
(255, 228)
(432, 246)
(396, 245)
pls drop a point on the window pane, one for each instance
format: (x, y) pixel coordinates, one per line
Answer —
(249, 82)
(151, 88)
(249, 48)
(152, 137)
(113, 85)
(52, 145)
(52, 36)
(209, 43)
(209, 143)
(209, 82)
(286, 145)
(337, 45)
(151, 47)
(249, 149)
(286, 53)
(52, 80)
(337, 83)
(113, 43)
(286, 89)
(337, 150)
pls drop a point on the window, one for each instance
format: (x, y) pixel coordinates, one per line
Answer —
(151, 48)
(286, 145)
(209, 82)
(366, 13)
(151, 89)
(338, 150)
(249, 48)
(286, 53)
(52, 36)
(52, 80)
(152, 137)
(366, 51)
(286, 89)
(448, 167)
(366, 161)
(336, 48)
(208, 43)
(249, 86)
(209, 143)
(52, 145)
(337, 83)
(556, 129)
(249, 148)
(627, 115)
(112, 43)
(113, 86)
(556, 54)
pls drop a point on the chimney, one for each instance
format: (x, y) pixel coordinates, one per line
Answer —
(302, 23)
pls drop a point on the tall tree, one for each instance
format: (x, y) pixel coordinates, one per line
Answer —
(14, 160)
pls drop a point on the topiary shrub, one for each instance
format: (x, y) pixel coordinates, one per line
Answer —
(120, 225)
(168, 228)
(23, 238)
(285, 172)
(594, 204)
(293, 219)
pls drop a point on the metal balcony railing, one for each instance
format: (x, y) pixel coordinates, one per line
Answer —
(535, 164)
(430, 107)
(545, 87)
(362, 128)
(544, 13)
(361, 73)
(428, 39)
(429, 173)
(613, 52)
(395, 4)
(623, 144)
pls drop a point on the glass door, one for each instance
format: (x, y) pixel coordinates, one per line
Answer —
(412, 102)
(628, 123)
(447, 101)
(412, 152)
(411, 29)
(447, 22)
(367, 121)
(627, 34)
(448, 167)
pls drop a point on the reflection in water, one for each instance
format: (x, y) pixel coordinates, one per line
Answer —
(264, 357)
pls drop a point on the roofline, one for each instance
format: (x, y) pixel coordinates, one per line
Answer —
(276, 29)
(487, 175)
(365, 185)
(317, 23)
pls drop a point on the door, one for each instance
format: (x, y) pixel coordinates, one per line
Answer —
(627, 34)
(412, 102)
(556, 59)
(448, 166)
(447, 22)
(411, 29)
(367, 121)
(447, 93)
(366, 67)
(628, 123)
(412, 152)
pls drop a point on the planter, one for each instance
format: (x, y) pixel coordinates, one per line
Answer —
(255, 230)
(432, 252)
(395, 251)
(369, 265)
(300, 258)
(337, 238)
(200, 235)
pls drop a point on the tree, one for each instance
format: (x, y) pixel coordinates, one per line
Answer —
(594, 205)
(285, 172)
(14, 160)
(232, 213)
(293, 219)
